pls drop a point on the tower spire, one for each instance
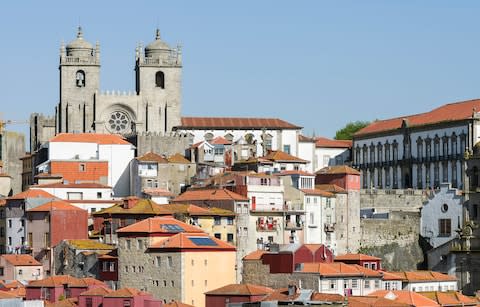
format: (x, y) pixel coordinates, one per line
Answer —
(79, 32)
(157, 35)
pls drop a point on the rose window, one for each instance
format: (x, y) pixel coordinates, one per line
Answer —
(118, 122)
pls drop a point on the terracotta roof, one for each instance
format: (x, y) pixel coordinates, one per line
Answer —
(356, 257)
(317, 192)
(126, 292)
(152, 157)
(281, 294)
(55, 205)
(422, 276)
(446, 113)
(209, 194)
(193, 210)
(391, 276)
(326, 297)
(338, 269)
(100, 291)
(177, 304)
(69, 302)
(298, 172)
(89, 244)
(234, 123)
(83, 185)
(254, 160)
(141, 206)
(2, 202)
(321, 142)
(21, 260)
(451, 298)
(406, 297)
(333, 188)
(371, 301)
(256, 255)
(158, 225)
(60, 280)
(280, 156)
(306, 139)
(7, 295)
(178, 158)
(103, 139)
(241, 290)
(185, 240)
(32, 193)
(220, 141)
(338, 169)
(158, 192)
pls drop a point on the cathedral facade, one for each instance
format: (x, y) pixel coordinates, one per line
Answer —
(154, 107)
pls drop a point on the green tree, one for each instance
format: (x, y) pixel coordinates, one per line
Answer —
(347, 132)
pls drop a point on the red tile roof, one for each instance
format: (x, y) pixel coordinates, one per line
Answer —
(256, 255)
(234, 123)
(178, 158)
(317, 192)
(193, 210)
(21, 260)
(421, 276)
(209, 194)
(103, 139)
(370, 301)
(32, 193)
(451, 298)
(158, 192)
(177, 304)
(356, 257)
(241, 290)
(326, 297)
(182, 241)
(338, 169)
(280, 156)
(55, 205)
(339, 269)
(7, 295)
(321, 142)
(100, 291)
(447, 113)
(406, 297)
(157, 225)
(220, 141)
(330, 188)
(152, 157)
(60, 280)
(126, 292)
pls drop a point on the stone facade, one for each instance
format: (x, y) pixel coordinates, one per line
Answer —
(12, 147)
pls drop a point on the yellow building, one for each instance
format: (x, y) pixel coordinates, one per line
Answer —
(173, 260)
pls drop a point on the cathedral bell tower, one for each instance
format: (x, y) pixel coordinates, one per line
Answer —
(158, 71)
(79, 80)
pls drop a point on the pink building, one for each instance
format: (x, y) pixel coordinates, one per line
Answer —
(236, 293)
(54, 288)
(123, 297)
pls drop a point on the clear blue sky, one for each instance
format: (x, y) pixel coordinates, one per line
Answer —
(316, 64)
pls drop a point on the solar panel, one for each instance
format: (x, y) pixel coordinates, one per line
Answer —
(172, 228)
(202, 241)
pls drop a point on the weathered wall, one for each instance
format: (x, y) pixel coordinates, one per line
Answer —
(163, 144)
(13, 148)
(386, 200)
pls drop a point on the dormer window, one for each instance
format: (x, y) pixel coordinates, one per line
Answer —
(160, 79)
(80, 78)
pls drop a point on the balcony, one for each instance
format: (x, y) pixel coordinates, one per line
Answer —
(293, 225)
(267, 227)
(293, 207)
(329, 227)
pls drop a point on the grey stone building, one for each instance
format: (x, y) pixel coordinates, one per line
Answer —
(12, 147)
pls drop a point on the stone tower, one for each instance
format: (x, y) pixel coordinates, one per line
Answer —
(79, 81)
(158, 81)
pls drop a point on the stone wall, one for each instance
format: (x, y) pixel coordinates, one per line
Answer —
(162, 280)
(162, 144)
(13, 148)
(394, 239)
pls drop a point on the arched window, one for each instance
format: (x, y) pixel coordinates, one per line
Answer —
(160, 79)
(80, 78)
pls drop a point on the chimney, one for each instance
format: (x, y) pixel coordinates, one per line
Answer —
(129, 202)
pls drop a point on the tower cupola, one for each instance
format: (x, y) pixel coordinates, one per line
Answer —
(79, 46)
(157, 48)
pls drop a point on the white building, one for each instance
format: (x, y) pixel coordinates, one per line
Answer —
(264, 133)
(320, 218)
(89, 147)
(418, 151)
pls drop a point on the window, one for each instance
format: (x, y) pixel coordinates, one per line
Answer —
(20, 272)
(126, 303)
(332, 284)
(172, 283)
(89, 302)
(193, 283)
(75, 195)
(217, 220)
(444, 208)
(170, 261)
(80, 78)
(99, 194)
(229, 220)
(139, 244)
(193, 262)
(159, 261)
(444, 227)
(312, 218)
(9, 240)
(286, 149)
(1, 271)
(218, 235)
(30, 239)
(128, 244)
(160, 79)
(126, 269)
(82, 167)
(229, 237)
(377, 283)
(218, 151)
(354, 283)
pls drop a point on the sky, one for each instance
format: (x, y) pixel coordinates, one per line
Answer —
(316, 64)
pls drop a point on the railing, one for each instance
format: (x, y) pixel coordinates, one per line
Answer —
(267, 227)
(79, 60)
(293, 225)
(329, 227)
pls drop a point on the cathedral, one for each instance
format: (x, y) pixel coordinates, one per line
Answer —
(154, 108)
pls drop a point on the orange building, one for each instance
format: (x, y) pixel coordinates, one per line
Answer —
(77, 171)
